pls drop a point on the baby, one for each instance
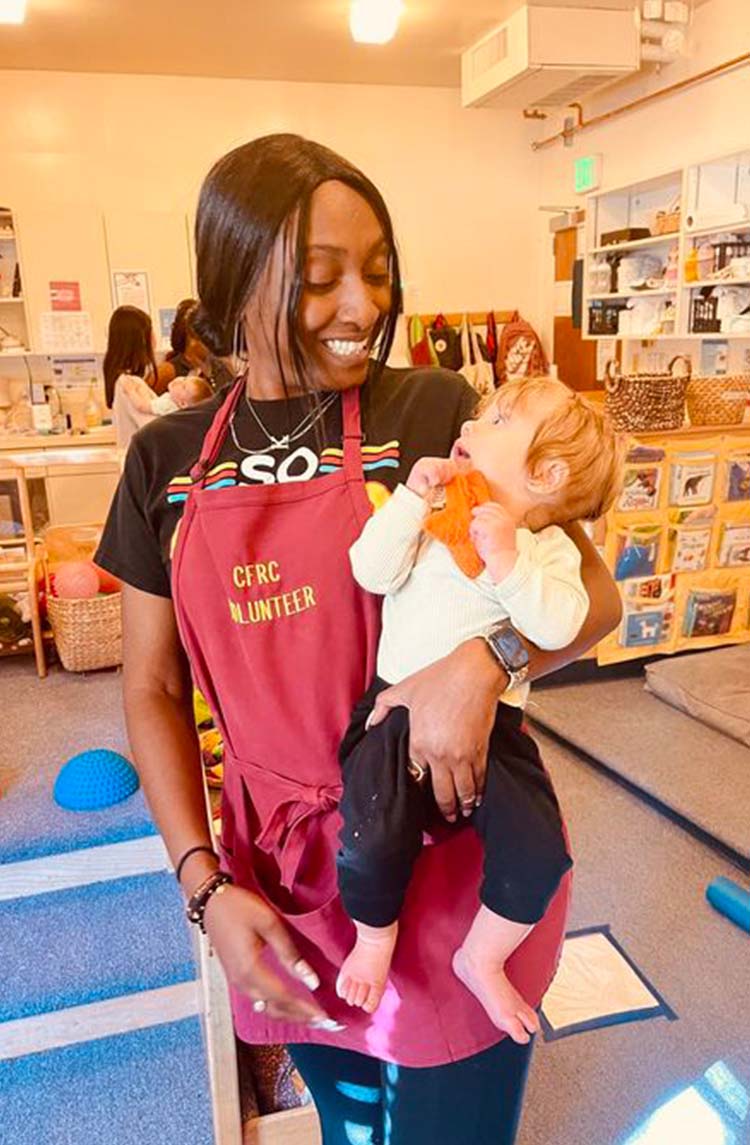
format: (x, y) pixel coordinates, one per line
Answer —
(546, 457)
(182, 392)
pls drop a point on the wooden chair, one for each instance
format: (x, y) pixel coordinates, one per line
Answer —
(18, 569)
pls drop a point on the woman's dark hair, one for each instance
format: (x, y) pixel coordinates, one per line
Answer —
(178, 335)
(129, 347)
(248, 198)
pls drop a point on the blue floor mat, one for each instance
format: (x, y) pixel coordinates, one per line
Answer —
(32, 825)
(147, 1086)
(72, 947)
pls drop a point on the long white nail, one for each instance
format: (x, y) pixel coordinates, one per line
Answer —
(330, 1025)
(369, 720)
(306, 973)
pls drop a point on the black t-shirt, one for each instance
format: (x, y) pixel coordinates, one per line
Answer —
(406, 414)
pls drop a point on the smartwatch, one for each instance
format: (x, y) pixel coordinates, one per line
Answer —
(510, 652)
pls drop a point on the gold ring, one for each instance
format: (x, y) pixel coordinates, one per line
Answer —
(468, 800)
(417, 770)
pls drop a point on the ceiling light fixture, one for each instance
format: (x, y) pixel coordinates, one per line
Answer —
(374, 21)
(12, 11)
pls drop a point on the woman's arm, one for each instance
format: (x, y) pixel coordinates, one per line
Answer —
(452, 702)
(159, 713)
(138, 392)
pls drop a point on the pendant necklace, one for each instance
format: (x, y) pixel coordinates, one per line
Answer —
(310, 419)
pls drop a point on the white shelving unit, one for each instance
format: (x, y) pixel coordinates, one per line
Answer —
(712, 229)
(13, 319)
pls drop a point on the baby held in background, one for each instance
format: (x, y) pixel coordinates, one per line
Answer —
(541, 456)
(180, 393)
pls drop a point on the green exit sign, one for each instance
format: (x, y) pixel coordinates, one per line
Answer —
(588, 172)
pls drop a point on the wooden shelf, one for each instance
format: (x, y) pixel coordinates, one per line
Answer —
(636, 244)
(702, 283)
(729, 229)
(632, 294)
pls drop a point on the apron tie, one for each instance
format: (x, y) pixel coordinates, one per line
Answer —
(286, 828)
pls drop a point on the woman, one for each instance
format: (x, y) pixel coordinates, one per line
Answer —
(130, 352)
(188, 355)
(298, 274)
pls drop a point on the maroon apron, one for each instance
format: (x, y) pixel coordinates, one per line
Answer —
(282, 642)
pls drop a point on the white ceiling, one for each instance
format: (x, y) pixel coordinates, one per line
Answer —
(259, 39)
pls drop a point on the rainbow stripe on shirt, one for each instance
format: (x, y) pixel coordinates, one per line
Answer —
(220, 477)
(386, 456)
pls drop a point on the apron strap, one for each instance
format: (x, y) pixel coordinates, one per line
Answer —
(213, 440)
(352, 421)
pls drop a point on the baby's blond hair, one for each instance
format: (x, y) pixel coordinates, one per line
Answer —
(578, 433)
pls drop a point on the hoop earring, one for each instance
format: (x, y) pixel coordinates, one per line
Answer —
(239, 350)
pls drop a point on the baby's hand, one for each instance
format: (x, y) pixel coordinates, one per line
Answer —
(429, 473)
(493, 533)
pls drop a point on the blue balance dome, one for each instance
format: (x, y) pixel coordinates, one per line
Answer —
(94, 780)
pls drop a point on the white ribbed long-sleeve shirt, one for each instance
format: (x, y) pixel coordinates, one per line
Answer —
(431, 607)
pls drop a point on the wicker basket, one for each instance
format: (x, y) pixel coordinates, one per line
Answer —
(88, 633)
(666, 222)
(644, 403)
(718, 401)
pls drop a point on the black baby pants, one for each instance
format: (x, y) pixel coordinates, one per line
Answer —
(386, 811)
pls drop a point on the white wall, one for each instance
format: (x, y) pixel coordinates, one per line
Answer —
(462, 186)
(710, 119)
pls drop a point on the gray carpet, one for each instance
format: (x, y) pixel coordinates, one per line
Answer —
(695, 771)
(646, 877)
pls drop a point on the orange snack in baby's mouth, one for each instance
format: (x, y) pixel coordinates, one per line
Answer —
(451, 524)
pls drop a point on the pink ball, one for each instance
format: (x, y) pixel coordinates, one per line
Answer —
(76, 580)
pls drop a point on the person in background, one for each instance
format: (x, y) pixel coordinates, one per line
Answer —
(130, 353)
(188, 355)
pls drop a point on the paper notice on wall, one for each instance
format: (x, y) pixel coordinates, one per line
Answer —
(130, 288)
(166, 321)
(605, 352)
(65, 295)
(66, 333)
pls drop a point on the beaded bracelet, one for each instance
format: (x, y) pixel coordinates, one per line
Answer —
(196, 907)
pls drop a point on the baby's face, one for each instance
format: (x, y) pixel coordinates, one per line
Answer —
(179, 391)
(497, 444)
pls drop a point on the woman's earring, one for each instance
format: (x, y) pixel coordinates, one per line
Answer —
(239, 350)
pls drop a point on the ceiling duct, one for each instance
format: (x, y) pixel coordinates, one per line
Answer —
(550, 57)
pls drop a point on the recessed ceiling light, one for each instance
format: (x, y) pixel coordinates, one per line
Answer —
(374, 21)
(12, 11)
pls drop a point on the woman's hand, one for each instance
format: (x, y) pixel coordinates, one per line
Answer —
(452, 705)
(240, 926)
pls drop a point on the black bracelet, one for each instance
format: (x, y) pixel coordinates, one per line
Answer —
(192, 851)
(196, 907)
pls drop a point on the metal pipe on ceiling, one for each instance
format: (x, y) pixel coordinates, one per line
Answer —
(584, 124)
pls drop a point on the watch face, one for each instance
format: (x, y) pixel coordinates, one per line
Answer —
(511, 648)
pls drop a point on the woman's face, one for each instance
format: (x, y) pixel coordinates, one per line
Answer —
(346, 291)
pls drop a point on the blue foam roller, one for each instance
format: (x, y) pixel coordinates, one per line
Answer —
(730, 899)
(94, 780)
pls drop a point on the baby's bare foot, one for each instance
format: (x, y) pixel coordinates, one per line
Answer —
(361, 981)
(488, 982)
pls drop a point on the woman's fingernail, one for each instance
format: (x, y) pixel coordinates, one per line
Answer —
(468, 812)
(304, 971)
(330, 1025)
(369, 720)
